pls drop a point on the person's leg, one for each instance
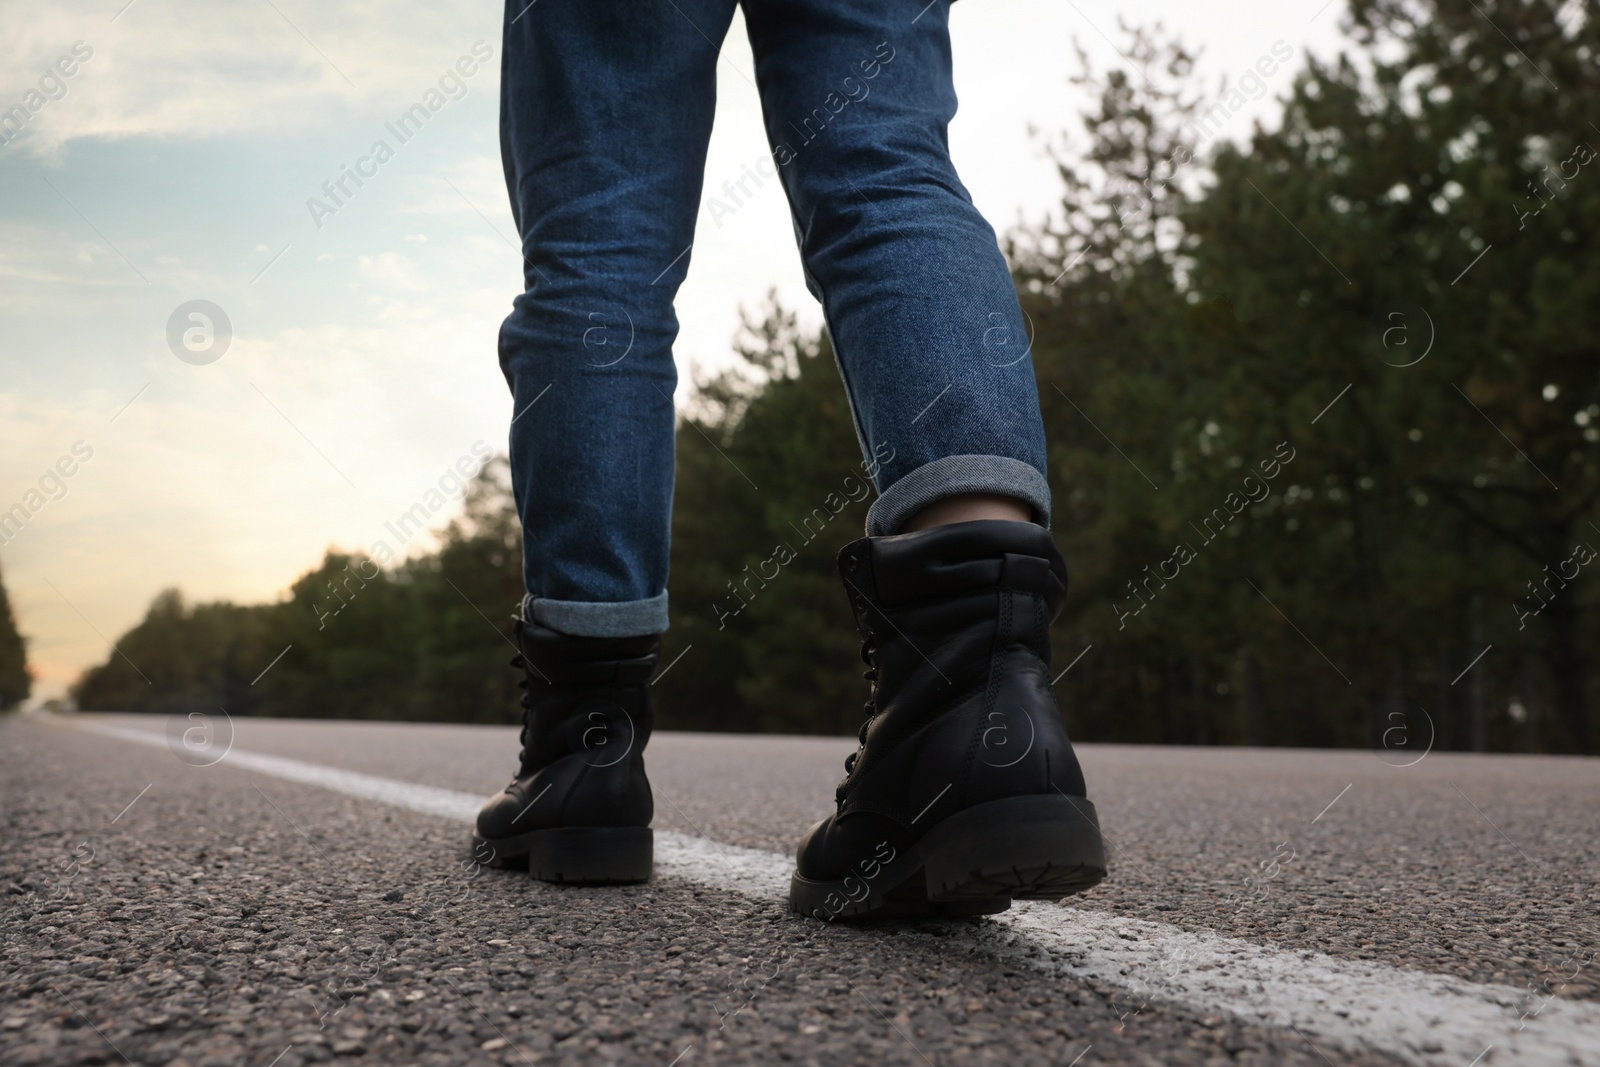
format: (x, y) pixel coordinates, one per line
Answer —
(968, 507)
(606, 111)
(930, 340)
(965, 793)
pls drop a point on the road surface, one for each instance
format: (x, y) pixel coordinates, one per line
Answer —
(309, 897)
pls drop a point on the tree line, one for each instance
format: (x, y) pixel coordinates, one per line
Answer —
(1322, 410)
(16, 681)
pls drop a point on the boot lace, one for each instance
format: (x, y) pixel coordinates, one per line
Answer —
(869, 651)
(526, 700)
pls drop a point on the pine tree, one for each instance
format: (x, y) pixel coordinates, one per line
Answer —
(16, 682)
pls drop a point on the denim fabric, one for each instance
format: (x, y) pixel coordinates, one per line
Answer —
(606, 111)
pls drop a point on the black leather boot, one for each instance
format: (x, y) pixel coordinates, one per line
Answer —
(965, 793)
(579, 808)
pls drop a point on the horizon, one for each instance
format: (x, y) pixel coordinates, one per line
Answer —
(197, 162)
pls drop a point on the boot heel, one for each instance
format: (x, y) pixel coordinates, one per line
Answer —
(1025, 848)
(592, 855)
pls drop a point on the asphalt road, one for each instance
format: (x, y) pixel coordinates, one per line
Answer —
(310, 896)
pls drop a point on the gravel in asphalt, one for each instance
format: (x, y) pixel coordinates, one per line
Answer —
(164, 913)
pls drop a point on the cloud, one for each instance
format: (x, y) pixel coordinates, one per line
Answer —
(394, 271)
(228, 480)
(195, 69)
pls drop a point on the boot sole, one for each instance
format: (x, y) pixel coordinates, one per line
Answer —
(575, 855)
(976, 862)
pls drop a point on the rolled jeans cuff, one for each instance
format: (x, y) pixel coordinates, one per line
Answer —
(576, 618)
(953, 476)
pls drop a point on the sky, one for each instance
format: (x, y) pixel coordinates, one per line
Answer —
(167, 156)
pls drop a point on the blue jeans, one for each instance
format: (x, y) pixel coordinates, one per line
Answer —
(606, 109)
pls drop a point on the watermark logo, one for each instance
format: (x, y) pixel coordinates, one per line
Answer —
(1407, 738)
(608, 737)
(52, 85)
(1007, 737)
(198, 739)
(1002, 345)
(1404, 334)
(862, 874)
(339, 190)
(199, 332)
(52, 486)
(600, 342)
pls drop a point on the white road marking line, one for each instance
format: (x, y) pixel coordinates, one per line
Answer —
(1361, 1006)
(449, 803)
